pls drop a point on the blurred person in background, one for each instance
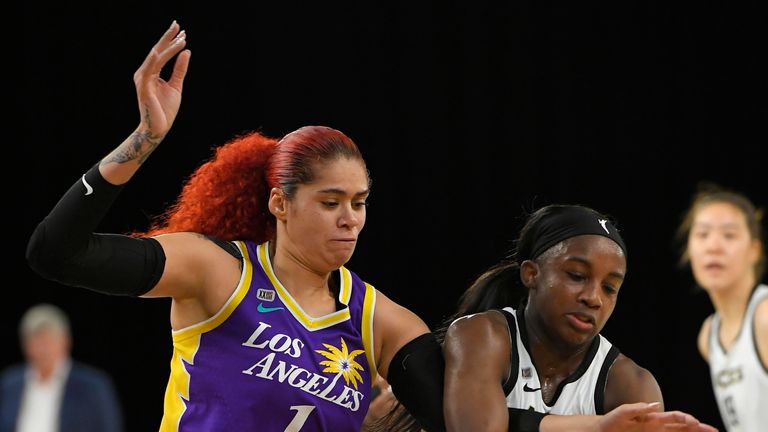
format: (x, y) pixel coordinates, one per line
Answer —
(722, 233)
(50, 391)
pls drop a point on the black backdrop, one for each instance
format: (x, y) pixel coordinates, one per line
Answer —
(468, 114)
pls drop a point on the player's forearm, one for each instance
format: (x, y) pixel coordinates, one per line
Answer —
(571, 423)
(122, 163)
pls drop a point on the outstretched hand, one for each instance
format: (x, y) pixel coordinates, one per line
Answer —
(159, 100)
(643, 417)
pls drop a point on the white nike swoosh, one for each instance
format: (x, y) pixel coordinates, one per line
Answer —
(88, 188)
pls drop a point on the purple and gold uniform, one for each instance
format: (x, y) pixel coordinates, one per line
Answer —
(261, 363)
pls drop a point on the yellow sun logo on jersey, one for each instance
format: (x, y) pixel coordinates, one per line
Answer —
(342, 361)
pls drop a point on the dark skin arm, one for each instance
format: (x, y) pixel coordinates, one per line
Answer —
(477, 362)
(476, 353)
(629, 383)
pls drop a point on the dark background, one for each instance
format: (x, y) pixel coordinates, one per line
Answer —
(468, 115)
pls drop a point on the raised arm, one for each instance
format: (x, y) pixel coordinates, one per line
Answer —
(64, 246)
(159, 102)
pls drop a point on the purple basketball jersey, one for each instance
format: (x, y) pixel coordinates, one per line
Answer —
(262, 364)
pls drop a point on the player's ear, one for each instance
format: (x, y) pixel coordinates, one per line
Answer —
(277, 203)
(529, 271)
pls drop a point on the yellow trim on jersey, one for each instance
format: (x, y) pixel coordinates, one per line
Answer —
(345, 291)
(177, 390)
(233, 302)
(369, 305)
(186, 342)
(310, 323)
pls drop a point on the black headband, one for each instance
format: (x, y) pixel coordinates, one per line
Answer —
(572, 221)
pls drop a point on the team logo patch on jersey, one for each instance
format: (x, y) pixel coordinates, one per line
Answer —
(526, 372)
(341, 361)
(265, 294)
(728, 377)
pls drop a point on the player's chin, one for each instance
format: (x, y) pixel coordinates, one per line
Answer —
(579, 338)
(340, 256)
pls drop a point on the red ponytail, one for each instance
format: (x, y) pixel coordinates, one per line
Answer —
(227, 196)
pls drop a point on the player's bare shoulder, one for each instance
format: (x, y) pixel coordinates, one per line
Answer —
(629, 382)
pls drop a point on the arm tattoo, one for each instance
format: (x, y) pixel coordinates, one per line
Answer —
(136, 148)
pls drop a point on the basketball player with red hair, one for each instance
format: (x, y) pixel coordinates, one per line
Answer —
(270, 331)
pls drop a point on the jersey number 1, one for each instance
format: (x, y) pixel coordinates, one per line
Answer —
(302, 412)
